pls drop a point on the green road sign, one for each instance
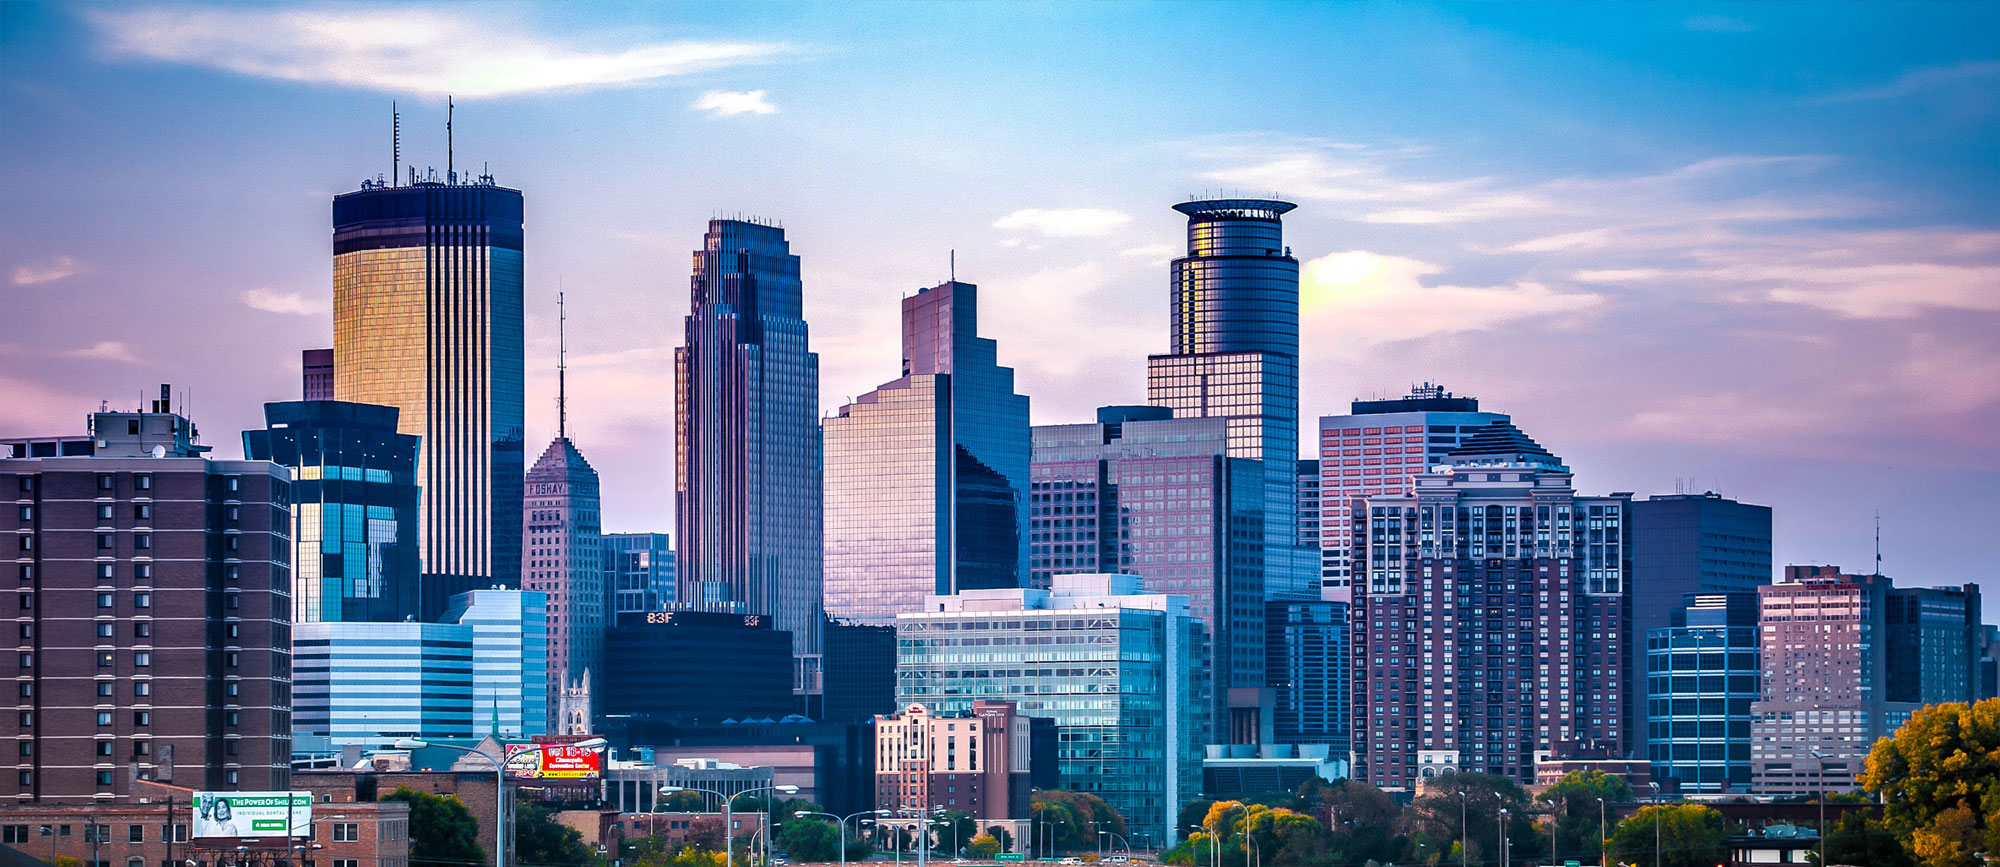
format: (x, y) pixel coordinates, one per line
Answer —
(1010, 856)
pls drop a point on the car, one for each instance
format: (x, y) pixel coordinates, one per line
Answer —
(1070, 861)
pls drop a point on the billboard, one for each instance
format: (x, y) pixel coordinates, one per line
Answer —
(252, 814)
(552, 762)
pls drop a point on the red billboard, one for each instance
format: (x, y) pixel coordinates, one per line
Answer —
(553, 762)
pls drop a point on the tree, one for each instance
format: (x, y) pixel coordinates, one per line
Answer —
(684, 801)
(1003, 836)
(1574, 799)
(1857, 839)
(1939, 781)
(443, 833)
(540, 839)
(1688, 835)
(810, 839)
(958, 828)
(983, 846)
(1432, 822)
(1359, 820)
(1076, 816)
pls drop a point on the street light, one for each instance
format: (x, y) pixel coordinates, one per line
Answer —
(1461, 829)
(500, 826)
(841, 823)
(728, 839)
(1822, 803)
(1503, 837)
(1658, 812)
(1600, 831)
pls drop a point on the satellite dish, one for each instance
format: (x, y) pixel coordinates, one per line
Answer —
(159, 451)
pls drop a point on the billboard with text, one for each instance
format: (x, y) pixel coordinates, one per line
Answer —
(252, 814)
(552, 762)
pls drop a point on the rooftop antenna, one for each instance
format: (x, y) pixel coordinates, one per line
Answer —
(954, 265)
(1878, 541)
(395, 140)
(562, 365)
(447, 139)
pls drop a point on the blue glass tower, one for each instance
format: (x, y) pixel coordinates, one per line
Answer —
(927, 476)
(1234, 354)
(354, 530)
(747, 495)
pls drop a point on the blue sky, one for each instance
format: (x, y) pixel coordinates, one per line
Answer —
(1748, 247)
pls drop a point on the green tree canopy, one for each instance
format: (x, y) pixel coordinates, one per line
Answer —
(1360, 820)
(683, 802)
(1939, 781)
(810, 839)
(540, 839)
(1578, 815)
(443, 833)
(1857, 839)
(1688, 835)
(1077, 816)
(1432, 822)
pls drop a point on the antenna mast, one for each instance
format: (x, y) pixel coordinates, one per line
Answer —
(395, 142)
(562, 368)
(1878, 541)
(954, 265)
(447, 139)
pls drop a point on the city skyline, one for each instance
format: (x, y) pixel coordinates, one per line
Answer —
(1607, 293)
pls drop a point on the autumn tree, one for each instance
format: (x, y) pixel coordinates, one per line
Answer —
(982, 846)
(1939, 781)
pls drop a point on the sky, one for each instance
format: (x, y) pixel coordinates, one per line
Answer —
(1749, 248)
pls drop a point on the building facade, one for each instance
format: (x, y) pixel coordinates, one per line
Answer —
(1234, 354)
(1692, 543)
(510, 659)
(354, 518)
(1308, 671)
(977, 761)
(316, 374)
(638, 573)
(369, 684)
(564, 560)
(1377, 448)
(427, 318)
(1504, 597)
(154, 622)
(693, 667)
(747, 436)
(1933, 644)
(927, 475)
(1143, 494)
(1703, 673)
(860, 673)
(1120, 672)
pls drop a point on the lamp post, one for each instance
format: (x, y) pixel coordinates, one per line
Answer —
(1462, 846)
(500, 826)
(728, 839)
(1600, 831)
(1821, 762)
(1503, 837)
(1658, 814)
(841, 823)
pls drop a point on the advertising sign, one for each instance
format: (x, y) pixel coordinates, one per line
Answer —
(553, 762)
(252, 814)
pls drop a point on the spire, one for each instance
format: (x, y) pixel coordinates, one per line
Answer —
(562, 367)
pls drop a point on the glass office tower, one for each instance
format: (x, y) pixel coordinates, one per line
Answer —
(1234, 354)
(638, 572)
(427, 319)
(354, 530)
(927, 476)
(510, 659)
(1702, 673)
(747, 437)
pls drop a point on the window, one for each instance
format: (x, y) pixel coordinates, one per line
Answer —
(135, 833)
(229, 777)
(14, 833)
(142, 600)
(27, 690)
(27, 484)
(232, 514)
(229, 572)
(142, 718)
(104, 688)
(107, 571)
(142, 629)
(142, 748)
(27, 660)
(142, 511)
(231, 689)
(27, 778)
(142, 571)
(229, 748)
(27, 748)
(104, 659)
(104, 511)
(143, 481)
(232, 631)
(27, 570)
(104, 629)
(104, 718)
(346, 832)
(142, 688)
(141, 658)
(104, 600)
(142, 541)
(233, 484)
(231, 718)
(27, 514)
(27, 543)
(104, 778)
(232, 543)
(233, 600)
(103, 541)
(104, 481)
(104, 748)
(27, 631)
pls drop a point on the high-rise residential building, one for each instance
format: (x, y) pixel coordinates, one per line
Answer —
(1308, 511)
(1692, 543)
(1505, 597)
(1847, 659)
(1378, 448)
(427, 318)
(354, 518)
(638, 572)
(153, 630)
(369, 684)
(1143, 494)
(1234, 354)
(564, 559)
(510, 658)
(1308, 671)
(976, 761)
(316, 367)
(747, 436)
(1118, 670)
(1703, 672)
(927, 476)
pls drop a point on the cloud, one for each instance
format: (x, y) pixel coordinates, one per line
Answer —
(108, 350)
(1369, 297)
(1718, 24)
(291, 303)
(1064, 222)
(1923, 80)
(49, 272)
(726, 103)
(433, 52)
(1151, 254)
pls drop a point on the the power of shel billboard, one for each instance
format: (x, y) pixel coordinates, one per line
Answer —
(252, 814)
(554, 762)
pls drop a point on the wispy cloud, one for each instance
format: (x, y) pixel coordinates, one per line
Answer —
(1718, 24)
(46, 272)
(400, 50)
(725, 103)
(108, 350)
(1369, 297)
(291, 303)
(1971, 72)
(1064, 222)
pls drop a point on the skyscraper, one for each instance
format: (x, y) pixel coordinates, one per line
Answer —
(564, 559)
(354, 518)
(1505, 595)
(747, 433)
(1692, 543)
(1702, 674)
(638, 573)
(1377, 449)
(316, 367)
(510, 658)
(153, 613)
(1234, 354)
(1309, 671)
(1142, 494)
(927, 476)
(427, 319)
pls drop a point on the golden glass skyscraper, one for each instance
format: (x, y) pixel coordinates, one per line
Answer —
(427, 318)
